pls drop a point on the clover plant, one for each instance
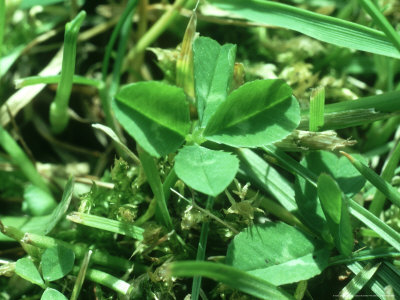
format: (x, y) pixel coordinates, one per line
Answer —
(157, 116)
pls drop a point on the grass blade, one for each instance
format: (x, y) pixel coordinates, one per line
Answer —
(358, 282)
(317, 102)
(153, 177)
(325, 28)
(388, 171)
(201, 250)
(228, 275)
(356, 112)
(107, 224)
(76, 79)
(387, 233)
(382, 185)
(59, 107)
(382, 22)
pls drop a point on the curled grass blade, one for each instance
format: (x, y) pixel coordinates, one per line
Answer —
(59, 107)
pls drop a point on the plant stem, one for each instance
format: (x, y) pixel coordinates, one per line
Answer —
(76, 79)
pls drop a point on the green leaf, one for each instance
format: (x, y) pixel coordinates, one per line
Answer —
(155, 114)
(230, 276)
(330, 196)
(52, 294)
(336, 213)
(59, 212)
(207, 171)
(57, 262)
(26, 269)
(213, 72)
(278, 253)
(347, 177)
(325, 28)
(258, 113)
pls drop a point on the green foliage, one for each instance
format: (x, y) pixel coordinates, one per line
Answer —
(26, 269)
(337, 213)
(190, 162)
(155, 114)
(52, 294)
(57, 262)
(256, 114)
(278, 253)
(212, 79)
(205, 170)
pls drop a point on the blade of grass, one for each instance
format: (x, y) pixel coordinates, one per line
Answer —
(108, 91)
(153, 177)
(115, 138)
(382, 22)
(385, 232)
(389, 191)
(80, 278)
(364, 255)
(201, 250)
(356, 112)
(108, 280)
(22, 161)
(325, 28)
(230, 276)
(317, 102)
(115, 226)
(388, 171)
(59, 107)
(358, 282)
(55, 79)
(62, 207)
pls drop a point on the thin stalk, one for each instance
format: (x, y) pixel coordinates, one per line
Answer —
(153, 177)
(381, 22)
(201, 250)
(155, 31)
(59, 108)
(378, 201)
